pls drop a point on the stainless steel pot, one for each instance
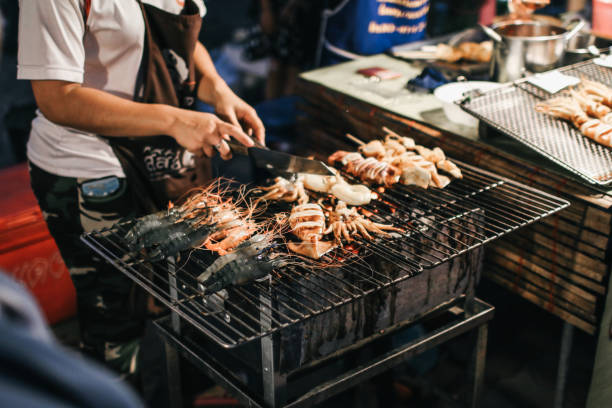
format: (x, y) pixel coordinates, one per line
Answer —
(528, 46)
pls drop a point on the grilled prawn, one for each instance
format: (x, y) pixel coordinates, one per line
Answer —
(181, 239)
(251, 260)
(150, 224)
(233, 228)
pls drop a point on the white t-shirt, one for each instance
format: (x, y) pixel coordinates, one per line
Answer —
(55, 43)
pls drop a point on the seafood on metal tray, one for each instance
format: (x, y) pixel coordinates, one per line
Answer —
(285, 190)
(591, 107)
(345, 222)
(568, 109)
(353, 194)
(252, 259)
(597, 91)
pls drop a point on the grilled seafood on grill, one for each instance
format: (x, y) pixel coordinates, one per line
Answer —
(142, 228)
(407, 142)
(353, 194)
(253, 259)
(375, 149)
(368, 170)
(319, 183)
(180, 237)
(397, 159)
(346, 222)
(568, 109)
(313, 250)
(307, 222)
(233, 227)
(285, 190)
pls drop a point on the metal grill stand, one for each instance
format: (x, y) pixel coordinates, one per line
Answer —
(453, 319)
(282, 331)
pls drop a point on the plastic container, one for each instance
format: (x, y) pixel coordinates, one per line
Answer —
(455, 91)
(602, 18)
(27, 251)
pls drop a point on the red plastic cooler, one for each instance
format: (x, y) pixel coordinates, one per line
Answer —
(27, 251)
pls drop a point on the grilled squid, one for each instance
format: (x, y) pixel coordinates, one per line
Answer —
(307, 222)
(353, 194)
(568, 109)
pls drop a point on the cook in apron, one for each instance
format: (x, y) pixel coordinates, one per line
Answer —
(364, 27)
(158, 168)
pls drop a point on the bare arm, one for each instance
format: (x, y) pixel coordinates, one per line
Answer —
(92, 110)
(214, 91)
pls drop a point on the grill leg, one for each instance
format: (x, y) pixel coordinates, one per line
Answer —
(564, 354)
(478, 364)
(172, 357)
(274, 383)
(175, 391)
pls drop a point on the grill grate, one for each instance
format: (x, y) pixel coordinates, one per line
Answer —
(510, 109)
(439, 224)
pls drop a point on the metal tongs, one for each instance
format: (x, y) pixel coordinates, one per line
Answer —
(272, 160)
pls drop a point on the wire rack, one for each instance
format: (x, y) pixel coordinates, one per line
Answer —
(439, 225)
(510, 109)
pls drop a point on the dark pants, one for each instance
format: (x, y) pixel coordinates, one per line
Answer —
(111, 309)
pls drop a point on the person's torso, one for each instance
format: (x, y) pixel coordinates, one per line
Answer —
(366, 27)
(114, 45)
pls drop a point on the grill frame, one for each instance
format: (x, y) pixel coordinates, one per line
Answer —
(510, 110)
(277, 388)
(468, 214)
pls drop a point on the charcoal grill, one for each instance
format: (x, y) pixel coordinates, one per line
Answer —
(510, 109)
(295, 319)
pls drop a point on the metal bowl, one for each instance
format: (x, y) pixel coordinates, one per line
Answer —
(528, 46)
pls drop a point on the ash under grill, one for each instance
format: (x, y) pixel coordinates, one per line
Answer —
(510, 109)
(440, 225)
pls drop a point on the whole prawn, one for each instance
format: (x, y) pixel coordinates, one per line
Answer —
(251, 260)
(144, 226)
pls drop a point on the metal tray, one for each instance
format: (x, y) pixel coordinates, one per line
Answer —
(475, 70)
(510, 109)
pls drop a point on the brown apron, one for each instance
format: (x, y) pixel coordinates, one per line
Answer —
(157, 168)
